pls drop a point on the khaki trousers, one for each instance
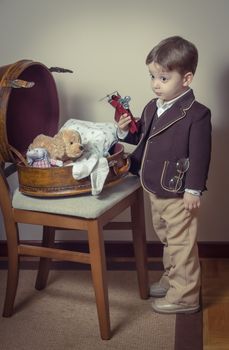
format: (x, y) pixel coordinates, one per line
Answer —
(177, 230)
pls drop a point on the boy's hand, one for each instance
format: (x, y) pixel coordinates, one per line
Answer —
(190, 201)
(124, 121)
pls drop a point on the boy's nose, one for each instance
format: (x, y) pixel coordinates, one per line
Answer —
(155, 84)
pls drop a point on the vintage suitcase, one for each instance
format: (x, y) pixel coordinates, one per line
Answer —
(28, 107)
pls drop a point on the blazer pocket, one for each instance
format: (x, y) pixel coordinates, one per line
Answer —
(172, 180)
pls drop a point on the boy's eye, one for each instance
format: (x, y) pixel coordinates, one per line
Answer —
(152, 76)
(164, 79)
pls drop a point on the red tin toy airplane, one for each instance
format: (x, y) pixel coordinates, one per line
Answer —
(121, 105)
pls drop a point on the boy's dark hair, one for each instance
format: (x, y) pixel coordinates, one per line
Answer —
(175, 53)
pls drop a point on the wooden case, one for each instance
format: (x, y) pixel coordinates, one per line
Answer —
(28, 107)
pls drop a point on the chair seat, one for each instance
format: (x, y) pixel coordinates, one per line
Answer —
(86, 206)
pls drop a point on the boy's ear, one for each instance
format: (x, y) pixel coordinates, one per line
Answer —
(187, 79)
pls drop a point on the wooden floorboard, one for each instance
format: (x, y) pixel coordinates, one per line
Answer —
(215, 293)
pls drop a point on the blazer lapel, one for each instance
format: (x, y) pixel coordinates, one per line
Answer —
(173, 114)
(149, 113)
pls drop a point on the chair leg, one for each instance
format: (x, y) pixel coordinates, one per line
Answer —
(13, 269)
(98, 269)
(45, 263)
(139, 242)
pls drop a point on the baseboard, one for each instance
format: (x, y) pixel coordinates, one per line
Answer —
(123, 250)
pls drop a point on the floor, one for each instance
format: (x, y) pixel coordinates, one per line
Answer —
(215, 296)
(215, 292)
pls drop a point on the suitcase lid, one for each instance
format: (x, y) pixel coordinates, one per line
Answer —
(26, 109)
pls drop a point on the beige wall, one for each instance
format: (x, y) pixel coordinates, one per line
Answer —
(105, 43)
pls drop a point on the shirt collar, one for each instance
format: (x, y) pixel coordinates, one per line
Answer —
(167, 104)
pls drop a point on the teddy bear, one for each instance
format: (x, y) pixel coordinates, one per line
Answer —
(65, 145)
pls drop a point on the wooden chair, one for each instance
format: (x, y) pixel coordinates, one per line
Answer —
(83, 212)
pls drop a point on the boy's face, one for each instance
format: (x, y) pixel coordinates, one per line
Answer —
(167, 85)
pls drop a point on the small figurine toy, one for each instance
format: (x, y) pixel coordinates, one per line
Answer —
(38, 158)
(121, 105)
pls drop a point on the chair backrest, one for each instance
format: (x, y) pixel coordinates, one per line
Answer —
(5, 192)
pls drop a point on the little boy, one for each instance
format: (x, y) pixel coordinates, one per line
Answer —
(173, 155)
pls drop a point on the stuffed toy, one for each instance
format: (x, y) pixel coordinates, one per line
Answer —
(39, 158)
(65, 145)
